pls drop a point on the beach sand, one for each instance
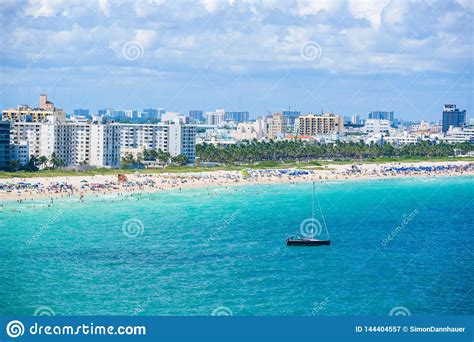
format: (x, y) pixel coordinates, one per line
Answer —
(177, 181)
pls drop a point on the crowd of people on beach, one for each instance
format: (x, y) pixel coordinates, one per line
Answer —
(21, 189)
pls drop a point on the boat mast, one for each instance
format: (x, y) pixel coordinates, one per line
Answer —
(322, 215)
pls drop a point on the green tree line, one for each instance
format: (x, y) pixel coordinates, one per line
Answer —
(284, 150)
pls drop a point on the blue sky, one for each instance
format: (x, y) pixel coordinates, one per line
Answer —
(347, 57)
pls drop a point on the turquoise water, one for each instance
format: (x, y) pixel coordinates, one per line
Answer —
(203, 250)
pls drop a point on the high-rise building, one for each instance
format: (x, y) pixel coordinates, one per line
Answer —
(452, 116)
(196, 115)
(174, 138)
(292, 115)
(312, 125)
(81, 112)
(381, 115)
(277, 126)
(4, 144)
(237, 116)
(150, 114)
(74, 142)
(44, 103)
(215, 118)
(355, 119)
(105, 145)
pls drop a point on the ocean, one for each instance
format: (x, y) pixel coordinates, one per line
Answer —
(398, 246)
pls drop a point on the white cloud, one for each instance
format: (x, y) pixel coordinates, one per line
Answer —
(104, 7)
(185, 35)
(368, 9)
(467, 4)
(305, 7)
(44, 8)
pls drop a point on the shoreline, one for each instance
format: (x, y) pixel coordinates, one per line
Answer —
(86, 186)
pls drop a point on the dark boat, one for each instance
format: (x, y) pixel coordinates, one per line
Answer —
(308, 238)
(299, 241)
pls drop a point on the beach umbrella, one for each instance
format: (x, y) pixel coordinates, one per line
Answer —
(84, 181)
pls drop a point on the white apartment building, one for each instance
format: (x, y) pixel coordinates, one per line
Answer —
(459, 135)
(74, 143)
(402, 138)
(174, 138)
(377, 126)
(216, 118)
(105, 145)
(174, 117)
(251, 130)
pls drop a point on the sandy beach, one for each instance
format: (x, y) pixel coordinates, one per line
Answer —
(52, 187)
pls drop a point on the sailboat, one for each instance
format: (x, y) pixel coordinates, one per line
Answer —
(309, 240)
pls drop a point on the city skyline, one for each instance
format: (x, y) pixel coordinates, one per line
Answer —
(345, 57)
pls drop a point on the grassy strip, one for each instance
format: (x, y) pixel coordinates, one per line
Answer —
(313, 165)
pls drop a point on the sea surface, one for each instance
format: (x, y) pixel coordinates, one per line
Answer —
(222, 251)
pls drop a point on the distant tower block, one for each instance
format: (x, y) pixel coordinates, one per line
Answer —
(44, 103)
(43, 100)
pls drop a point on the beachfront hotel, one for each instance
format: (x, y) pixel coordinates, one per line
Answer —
(101, 145)
(173, 137)
(44, 131)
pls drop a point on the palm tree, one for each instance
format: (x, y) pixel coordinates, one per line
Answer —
(55, 161)
(42, 161)
(33, 163)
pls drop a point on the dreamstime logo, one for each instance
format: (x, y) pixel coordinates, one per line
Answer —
(221, 53)
(318, 307)
(222, 311)
(132, 50)
(15, 329)
(405, 45)
(218, 232)
(310, 51)
(311, 227)
(133, 228)
(44, 311)
(44, 227)
(405, 221)
(400, 311)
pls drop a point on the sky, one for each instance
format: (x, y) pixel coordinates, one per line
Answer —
(348, 57)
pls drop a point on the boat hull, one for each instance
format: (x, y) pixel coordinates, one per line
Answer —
(307, 242)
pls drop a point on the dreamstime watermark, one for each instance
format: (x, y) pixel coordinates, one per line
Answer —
(132, 50)
(215, 234)
(44, 227)
(311, 227)
(393, 58)
(222, 311)
(400, 311)
(318, 307)
(44, 311)
(141, 307)
(406, 220)
(49, 44)
(15, 329)
(311, 51)
(133, 228)
(221, 53)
